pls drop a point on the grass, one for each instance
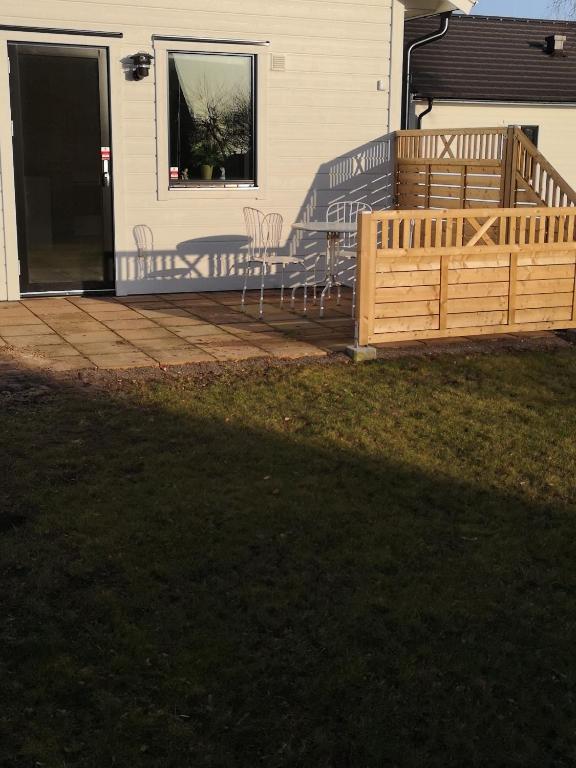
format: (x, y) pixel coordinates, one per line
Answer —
(323, 566)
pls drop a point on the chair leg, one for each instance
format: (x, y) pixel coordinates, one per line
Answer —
(315, 280)
(353, 296)
(305, 288)
(263, 275)
(247, 273)
(293, 297)
(282, 287)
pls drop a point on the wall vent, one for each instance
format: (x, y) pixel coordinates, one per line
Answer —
(278, 63)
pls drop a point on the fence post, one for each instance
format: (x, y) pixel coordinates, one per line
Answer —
(509, 169)
(365, 277)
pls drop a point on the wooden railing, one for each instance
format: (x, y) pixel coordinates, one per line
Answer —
(429, 274)
(535, 180)
(463, 144)
(475, 168)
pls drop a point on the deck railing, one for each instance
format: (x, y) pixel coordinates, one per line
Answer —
(535, 180)
(429, 274)
(475, 168)
(462, 144)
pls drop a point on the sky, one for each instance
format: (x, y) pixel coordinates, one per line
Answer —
(536, 9)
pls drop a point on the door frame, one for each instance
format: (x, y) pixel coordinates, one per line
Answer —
(71, 50)
(10, 270)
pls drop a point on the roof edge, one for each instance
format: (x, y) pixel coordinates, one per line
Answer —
(418, 8)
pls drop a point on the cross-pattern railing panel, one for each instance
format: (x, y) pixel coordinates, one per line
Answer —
(460, 144)
(425, 274)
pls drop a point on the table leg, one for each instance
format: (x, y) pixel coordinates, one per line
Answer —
(330, 266)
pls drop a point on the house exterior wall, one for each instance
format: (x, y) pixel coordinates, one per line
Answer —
(556, 122)
(322, 125)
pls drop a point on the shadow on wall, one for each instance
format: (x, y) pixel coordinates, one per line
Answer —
(365, 174)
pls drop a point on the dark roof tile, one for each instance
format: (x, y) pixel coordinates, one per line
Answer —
(489, 58)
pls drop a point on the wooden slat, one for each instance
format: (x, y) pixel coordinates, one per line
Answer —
(394, 336)
(477, 290)
(486, 304)
(395, 324)
(471, 319)
(548, 272)
(406, 309)
(387, 264)
(544, 286)
(407, 278)
(537, 300)
(408, 293)
(540, 258)
(541, 315)
(492, 181)
(481, 194)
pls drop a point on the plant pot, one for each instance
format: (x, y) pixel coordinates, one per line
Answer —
(206, 172)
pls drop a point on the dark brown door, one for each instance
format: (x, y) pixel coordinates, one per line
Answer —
(60, 113)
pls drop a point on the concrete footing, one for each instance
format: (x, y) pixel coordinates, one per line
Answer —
(361, 354)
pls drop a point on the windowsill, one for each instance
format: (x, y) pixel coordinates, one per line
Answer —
(211, 186)
(182, 192)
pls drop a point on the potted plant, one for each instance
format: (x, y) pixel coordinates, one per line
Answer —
(205, 152)
(222, 132)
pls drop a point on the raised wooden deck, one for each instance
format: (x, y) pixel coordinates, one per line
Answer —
(483, 241)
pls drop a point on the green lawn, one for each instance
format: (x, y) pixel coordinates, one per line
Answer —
(323, 566)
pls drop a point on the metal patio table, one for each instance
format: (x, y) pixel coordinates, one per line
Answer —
(333, 231)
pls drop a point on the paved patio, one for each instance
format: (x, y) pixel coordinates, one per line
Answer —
(125, 332)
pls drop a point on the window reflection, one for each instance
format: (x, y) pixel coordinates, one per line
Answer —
(211, 104)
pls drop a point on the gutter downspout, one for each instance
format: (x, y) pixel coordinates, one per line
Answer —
(420, 43)
(423, 114)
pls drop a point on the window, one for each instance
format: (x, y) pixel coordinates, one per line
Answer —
(211, 113)
(532, 132)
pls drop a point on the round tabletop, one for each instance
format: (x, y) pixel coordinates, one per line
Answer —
(336, 227)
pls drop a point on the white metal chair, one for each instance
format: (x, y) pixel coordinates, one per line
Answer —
(144, 238)
(347, 212)
(265, 233)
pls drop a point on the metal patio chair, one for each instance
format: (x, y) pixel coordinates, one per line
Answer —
(265, 233)
(347, 212)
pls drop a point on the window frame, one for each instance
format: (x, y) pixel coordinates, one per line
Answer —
(247, 183)
(251, 190)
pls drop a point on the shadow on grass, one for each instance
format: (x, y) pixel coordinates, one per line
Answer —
(193, 591)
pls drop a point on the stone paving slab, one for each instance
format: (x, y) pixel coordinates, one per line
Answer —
(114, 332)
(133, 359)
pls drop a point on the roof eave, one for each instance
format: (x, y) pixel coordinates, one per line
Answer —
(416, 8)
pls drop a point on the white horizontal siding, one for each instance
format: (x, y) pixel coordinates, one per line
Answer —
(324, 121)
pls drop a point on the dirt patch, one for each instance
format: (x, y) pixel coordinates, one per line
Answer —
(27, 376)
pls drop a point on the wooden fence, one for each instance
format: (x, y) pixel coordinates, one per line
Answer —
(535, 181)
(432, 274)
(475, 168)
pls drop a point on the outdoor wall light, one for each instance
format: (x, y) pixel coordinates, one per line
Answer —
(142, 63)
